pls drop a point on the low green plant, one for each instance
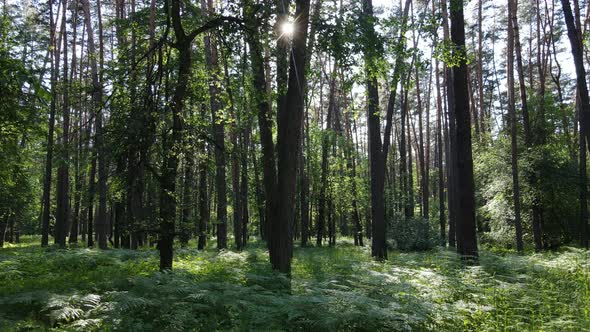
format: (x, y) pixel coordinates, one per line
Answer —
(331, 289)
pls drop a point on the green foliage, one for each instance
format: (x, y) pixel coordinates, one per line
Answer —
(413, 234)
(547, 172)
(331, 289)
(452, 55)
(19, 131)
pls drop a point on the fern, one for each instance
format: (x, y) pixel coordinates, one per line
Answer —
(331, 289)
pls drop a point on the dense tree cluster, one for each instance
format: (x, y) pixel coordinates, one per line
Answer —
(130, 123)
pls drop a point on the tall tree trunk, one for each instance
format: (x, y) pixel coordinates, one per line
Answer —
(244, 187)
(269, 171)
(3, 225)
(218, 131)
(351, 152)
(452, 186)
(376, 164)
(439, 149)
(321, 223)
(528, 139)
(101, 217)
(304, 197)
(91, 193)
(574, 36)
(78, 174)
(403, 148)
(237, 206)
(423, 149)
(63, 171)
(410, 203)
(513, 129)
(288, 144)
(187, 196)
(479, 70)
(203, 201)
(172, 143)
(259, 196)
(584, 227)
(466, 235)
(439, 157)
(50, 132)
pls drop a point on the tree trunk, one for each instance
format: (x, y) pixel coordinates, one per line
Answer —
(244, 147)
(91, 193)
(3, 226)
(479, 69)
(377, 166)
(288, 145)
(513, 129)
(439, 157)
(78, 173)
(269, 171)
(211, 57)
(62, 189)
(262, 227)
(172, 143)
(49, 156)
(203, 203)
(574, 36)
(321, 224)
(237, 206)
(466, 235)
(451, 139)
(584, 228)
(410, 203)
(187, 197)
(101, 218)
(528, 139)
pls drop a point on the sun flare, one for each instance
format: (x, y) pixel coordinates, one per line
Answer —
(288, 28)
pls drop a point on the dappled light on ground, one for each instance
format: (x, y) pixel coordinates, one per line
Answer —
(331, 289)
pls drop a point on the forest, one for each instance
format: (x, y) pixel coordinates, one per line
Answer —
(294, 165)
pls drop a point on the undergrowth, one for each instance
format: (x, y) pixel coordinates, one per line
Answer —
(331, 289)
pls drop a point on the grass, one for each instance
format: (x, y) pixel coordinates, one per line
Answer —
(332, 289)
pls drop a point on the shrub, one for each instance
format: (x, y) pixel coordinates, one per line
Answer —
(412, 234)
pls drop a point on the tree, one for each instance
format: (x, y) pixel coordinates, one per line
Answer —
(218, 130)
(259, 83)
(379, 246)
(63, 175)
(513, 128)
(466, 236)
(574, 36)
(50, 132)
(288, 144)
(99, 149)
(322, 205)
(377, 150)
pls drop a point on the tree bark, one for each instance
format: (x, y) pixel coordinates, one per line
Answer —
(528, 139)
(574, 36)
(376, 165)
(101, 218)
(63, 177)
(288, 145)
(50, 132)
(513, 129)
(321, 223)
(269, 171)
(466, 235)
(211, 58)
(203, 201)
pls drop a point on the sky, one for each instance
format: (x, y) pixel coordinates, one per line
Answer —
(491, 22)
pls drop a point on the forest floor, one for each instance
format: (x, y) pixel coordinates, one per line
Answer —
(332, 289)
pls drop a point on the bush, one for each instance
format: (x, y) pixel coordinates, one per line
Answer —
(412, 234)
